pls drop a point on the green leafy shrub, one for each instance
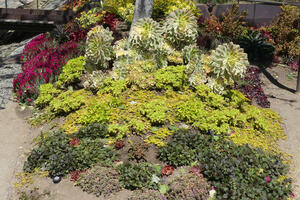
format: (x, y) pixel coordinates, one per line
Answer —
(100, 180)
(89, 18)
(99, 50)
(68, 101)
(71, 72)
(162, 8)
(55, 154)
(47, 93)
(180, 28)
(237, 172)
(137, 176)
(171, 77)
(123, 8)
(188, 186)
(285, 30)
(93, 131)
(147, 194)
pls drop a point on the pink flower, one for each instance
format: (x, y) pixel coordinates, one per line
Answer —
(292, 195)
(268, 179)
(213, 188)
(28, 100)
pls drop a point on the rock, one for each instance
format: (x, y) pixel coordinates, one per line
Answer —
(10, 4)
(56, 179)
(26, 2)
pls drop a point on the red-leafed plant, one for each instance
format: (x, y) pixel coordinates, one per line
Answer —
(75, 175)
(75, 142)
(167, 170)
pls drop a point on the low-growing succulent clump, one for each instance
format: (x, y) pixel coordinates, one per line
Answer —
(100, 181)
(223, 164)
(188, 186)
(147, 194)
(47, 94)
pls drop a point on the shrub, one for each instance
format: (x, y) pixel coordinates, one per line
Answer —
(188, 186)
(100, 181)
(71, 72)
(162, 8)
(180, 28)
(138, 176)
(224, 165)
(99, 50)
(56, 155)
(93, 131)
(47, 93)
(285, 31)
(156, 111)
(251, 87)
(41, 66)
(90, 18)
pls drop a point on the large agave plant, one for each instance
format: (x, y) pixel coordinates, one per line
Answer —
(99, 50)
(180, 28)
(229, 61)
(145, 35)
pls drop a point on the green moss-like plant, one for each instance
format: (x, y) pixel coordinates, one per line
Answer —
(68, 101)
(99, 50)
(171, 77)
(47, 93)
(71, 72)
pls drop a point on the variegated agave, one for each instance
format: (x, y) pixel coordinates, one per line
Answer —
(99, 50)
(180, 28)
(229, 61)
(145, 35)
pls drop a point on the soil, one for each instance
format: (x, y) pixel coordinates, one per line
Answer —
(17, 137)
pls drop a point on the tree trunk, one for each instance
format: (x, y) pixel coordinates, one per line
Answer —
(142, 9)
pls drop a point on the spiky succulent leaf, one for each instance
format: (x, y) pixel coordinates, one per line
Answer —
(180, 28)
(229, 61)
(146, 35)
(99, 50)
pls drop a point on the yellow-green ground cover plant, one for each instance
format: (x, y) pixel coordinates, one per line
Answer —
(152, 103)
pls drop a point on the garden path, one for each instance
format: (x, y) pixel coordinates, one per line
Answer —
(12, 130)
(287, 104)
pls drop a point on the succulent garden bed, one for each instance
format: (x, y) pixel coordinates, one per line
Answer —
(173, 111)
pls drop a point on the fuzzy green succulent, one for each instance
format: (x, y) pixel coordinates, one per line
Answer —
(229, 61)
(92, 81)
(146, 35)
(180, 28)
(99, 50)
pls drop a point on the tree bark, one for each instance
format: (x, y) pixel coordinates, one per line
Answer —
(142, 9)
